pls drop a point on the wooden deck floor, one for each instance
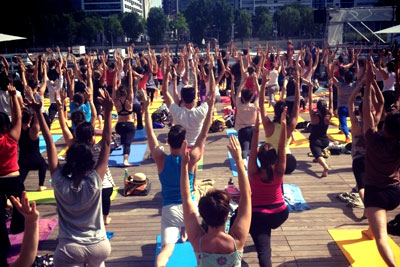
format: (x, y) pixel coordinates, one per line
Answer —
(303, 240)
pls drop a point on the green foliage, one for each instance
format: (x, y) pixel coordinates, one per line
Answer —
(132, 25)
(243, 24)
(180, 24)
(89, 28)
(262, 23)
(157, 24)
(223, 20)
(112, 28)
(199, 15)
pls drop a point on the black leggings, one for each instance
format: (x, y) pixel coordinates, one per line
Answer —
(359, 171)
(291, 163)
(52, 112)
(137, 108)
(127, 131)
(105, 199)
(150, 92)
(317, 145)
(260, 231)
(9, 187)
(34, 163)
(245, 135)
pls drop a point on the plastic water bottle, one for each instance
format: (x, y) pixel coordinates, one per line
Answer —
(126, 174)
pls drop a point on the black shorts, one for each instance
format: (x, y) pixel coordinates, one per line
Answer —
(386, 198)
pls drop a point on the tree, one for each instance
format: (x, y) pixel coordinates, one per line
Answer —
(243, 24)
(289, 27)
(180, 24)
(112, 28)
(262, 22)
(157, 24)
(223, 20)
(199, 15)
(132, 24)
(89, 28)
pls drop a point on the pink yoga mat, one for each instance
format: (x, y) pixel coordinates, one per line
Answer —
(46, 227)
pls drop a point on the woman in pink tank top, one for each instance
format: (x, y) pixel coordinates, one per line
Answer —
(269, 210)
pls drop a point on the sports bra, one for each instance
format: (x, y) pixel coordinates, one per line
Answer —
(233, 259)
(124, 111)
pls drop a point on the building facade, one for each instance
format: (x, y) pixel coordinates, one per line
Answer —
(343, 3)
(109, 7)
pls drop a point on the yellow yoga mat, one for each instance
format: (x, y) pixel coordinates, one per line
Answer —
(361, 251)
(47, 196)
(334, 135)
(300, 141)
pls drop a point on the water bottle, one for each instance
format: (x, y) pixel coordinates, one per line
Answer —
(126, 175)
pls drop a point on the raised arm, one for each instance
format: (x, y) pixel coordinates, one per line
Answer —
(6, 65)
(16, 115)
(167, 96)
(102, 163)
(30, 240)
(252, 164)
(192, 225)
(157, 154)
(355, 127)
(267, 123)
(241, 226)
(368, 120)
(281, 162)
(295, 112)
(52, 156)
(379, 103)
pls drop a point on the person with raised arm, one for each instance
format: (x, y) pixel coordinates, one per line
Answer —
(246, 114)
(123, 100)
(77, 190)
(382, 165)
(269, 210)
(215, 247)
(272, 128)
(320, 120)
(30, 241)
(169, 167)
(10, 185)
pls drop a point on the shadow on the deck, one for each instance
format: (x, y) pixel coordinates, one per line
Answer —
(148, 251)
(154, 203)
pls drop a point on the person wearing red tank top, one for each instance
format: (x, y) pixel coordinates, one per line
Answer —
(10, 184)
(269, 210)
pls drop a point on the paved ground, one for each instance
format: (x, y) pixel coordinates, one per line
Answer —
(302, 240)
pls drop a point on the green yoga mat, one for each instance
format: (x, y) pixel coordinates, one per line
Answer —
(200, 164)
(47, 196)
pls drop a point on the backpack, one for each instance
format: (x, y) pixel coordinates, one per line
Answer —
(216, 126)
(229, 121)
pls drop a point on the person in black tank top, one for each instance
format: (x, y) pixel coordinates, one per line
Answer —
(29, 153)
(319, 125)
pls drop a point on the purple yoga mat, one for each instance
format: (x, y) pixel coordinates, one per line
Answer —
(46, 227)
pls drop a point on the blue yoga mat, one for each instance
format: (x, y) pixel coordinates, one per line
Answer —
(110, 235)
(42, 143)
(229, 132)
(135, 157)
(294, 198)
(183, 255)
(140, 135)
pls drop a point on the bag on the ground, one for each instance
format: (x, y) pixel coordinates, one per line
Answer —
(137, 185)
(216, 126)
(44, 261)
(229, 121)
(302, 125)
(393, 227)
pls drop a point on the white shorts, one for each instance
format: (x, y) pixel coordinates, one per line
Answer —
(171, 223)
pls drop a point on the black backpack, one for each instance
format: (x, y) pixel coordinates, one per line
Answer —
(216, 126)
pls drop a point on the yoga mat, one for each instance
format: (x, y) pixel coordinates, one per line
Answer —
(46, 227)
(233, 165)
(200, 164)
(182, 256)
(293, 198)
(110, 235)
(47, 196)
(361, 251)
(334, 135)
(140, 135)
(226, 100)
(42, 143)
(135, 157)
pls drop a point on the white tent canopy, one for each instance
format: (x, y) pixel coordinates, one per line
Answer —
(6, 37)
(394, 29)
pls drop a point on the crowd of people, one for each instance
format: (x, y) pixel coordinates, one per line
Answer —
(362, 86)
